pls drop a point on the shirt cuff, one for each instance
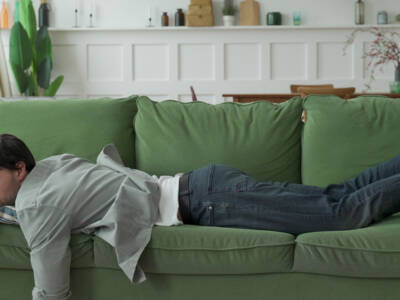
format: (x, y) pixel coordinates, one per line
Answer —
(40, 294)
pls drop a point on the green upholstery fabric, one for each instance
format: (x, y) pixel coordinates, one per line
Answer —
(339, 140)
(80, 127)
(106, 284)
(343, 138)
(373, 251)
(260, 138)
(190, 249)
(185, 249)
(14, 251)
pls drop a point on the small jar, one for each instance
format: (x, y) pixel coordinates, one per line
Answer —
(179, 18)
(164, 19)
(274, 18)
(383, 17)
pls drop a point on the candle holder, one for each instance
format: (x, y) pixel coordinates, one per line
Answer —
(76, 13)
(149, 24)
(91, 22)
(149, 17)
(92, 13)
(296, 18)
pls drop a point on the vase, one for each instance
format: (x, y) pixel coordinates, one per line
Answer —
(395, 85)
(359, 12)
(229, 20)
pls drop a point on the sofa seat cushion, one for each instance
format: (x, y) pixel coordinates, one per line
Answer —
(14, 251)
(191, 249)
(260, 138)
(372, 251)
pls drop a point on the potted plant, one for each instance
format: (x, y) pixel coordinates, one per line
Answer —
(384, 49)
(31, 56)
(228, 12)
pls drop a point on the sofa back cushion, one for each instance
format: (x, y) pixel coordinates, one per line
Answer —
(259, 138)
(343, 138)
(79, 127)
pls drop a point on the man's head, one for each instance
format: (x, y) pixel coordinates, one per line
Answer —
(16, 161)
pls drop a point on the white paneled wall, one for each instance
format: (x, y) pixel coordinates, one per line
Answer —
(164, 63)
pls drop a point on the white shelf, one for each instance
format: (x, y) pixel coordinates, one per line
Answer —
(218, 28)
(214, 28)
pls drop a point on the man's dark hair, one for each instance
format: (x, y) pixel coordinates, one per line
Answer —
(13, 150)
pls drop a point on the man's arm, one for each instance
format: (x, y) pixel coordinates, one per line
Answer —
(48, 232)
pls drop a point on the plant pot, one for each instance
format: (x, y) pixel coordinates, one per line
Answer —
(229, 20)
(397, 73)
(395, 87)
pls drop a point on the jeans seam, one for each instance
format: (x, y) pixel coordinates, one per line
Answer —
(211, 178)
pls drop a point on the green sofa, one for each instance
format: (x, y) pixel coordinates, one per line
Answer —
(269, 142)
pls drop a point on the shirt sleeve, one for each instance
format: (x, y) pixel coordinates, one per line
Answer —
(47, 231)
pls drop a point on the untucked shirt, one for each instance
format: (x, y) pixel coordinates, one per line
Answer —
(66, 194)
(169, 204)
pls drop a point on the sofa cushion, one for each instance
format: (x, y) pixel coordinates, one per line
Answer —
(259, 138)
(343, 138)
(79, 127)
(372, 251)
(14, 251)
(190, 249)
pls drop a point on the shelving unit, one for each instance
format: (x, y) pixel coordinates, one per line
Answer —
(233, 28)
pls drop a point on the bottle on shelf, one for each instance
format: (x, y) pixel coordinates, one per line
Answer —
(179, 17)
(4, 15)
(44, 12)
(164, 19)
(16, 11)
(359, 12)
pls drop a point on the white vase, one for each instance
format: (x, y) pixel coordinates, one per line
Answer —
(229, 20)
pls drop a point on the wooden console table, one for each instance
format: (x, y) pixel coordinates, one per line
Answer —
(278, 98)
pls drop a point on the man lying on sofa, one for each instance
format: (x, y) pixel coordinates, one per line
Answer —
(65, 194)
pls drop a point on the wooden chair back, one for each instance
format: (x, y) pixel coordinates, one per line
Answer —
(294, 87)
(344, 93)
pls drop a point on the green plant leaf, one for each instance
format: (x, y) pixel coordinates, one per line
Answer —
(28, 19)
(20, 56)
(43, 46)
(20, 47)
(43, 73)
(21, 78)
(55, 85)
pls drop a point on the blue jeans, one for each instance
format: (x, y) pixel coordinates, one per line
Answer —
(223, 196)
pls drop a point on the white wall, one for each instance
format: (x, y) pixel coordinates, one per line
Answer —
(163, 64)
(133, 13)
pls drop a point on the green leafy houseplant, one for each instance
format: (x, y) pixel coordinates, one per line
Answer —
(229, 9)
(31, 56)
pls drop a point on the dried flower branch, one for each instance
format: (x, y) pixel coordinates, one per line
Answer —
(383, 50)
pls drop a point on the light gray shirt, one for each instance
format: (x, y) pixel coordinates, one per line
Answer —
(64, 195)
